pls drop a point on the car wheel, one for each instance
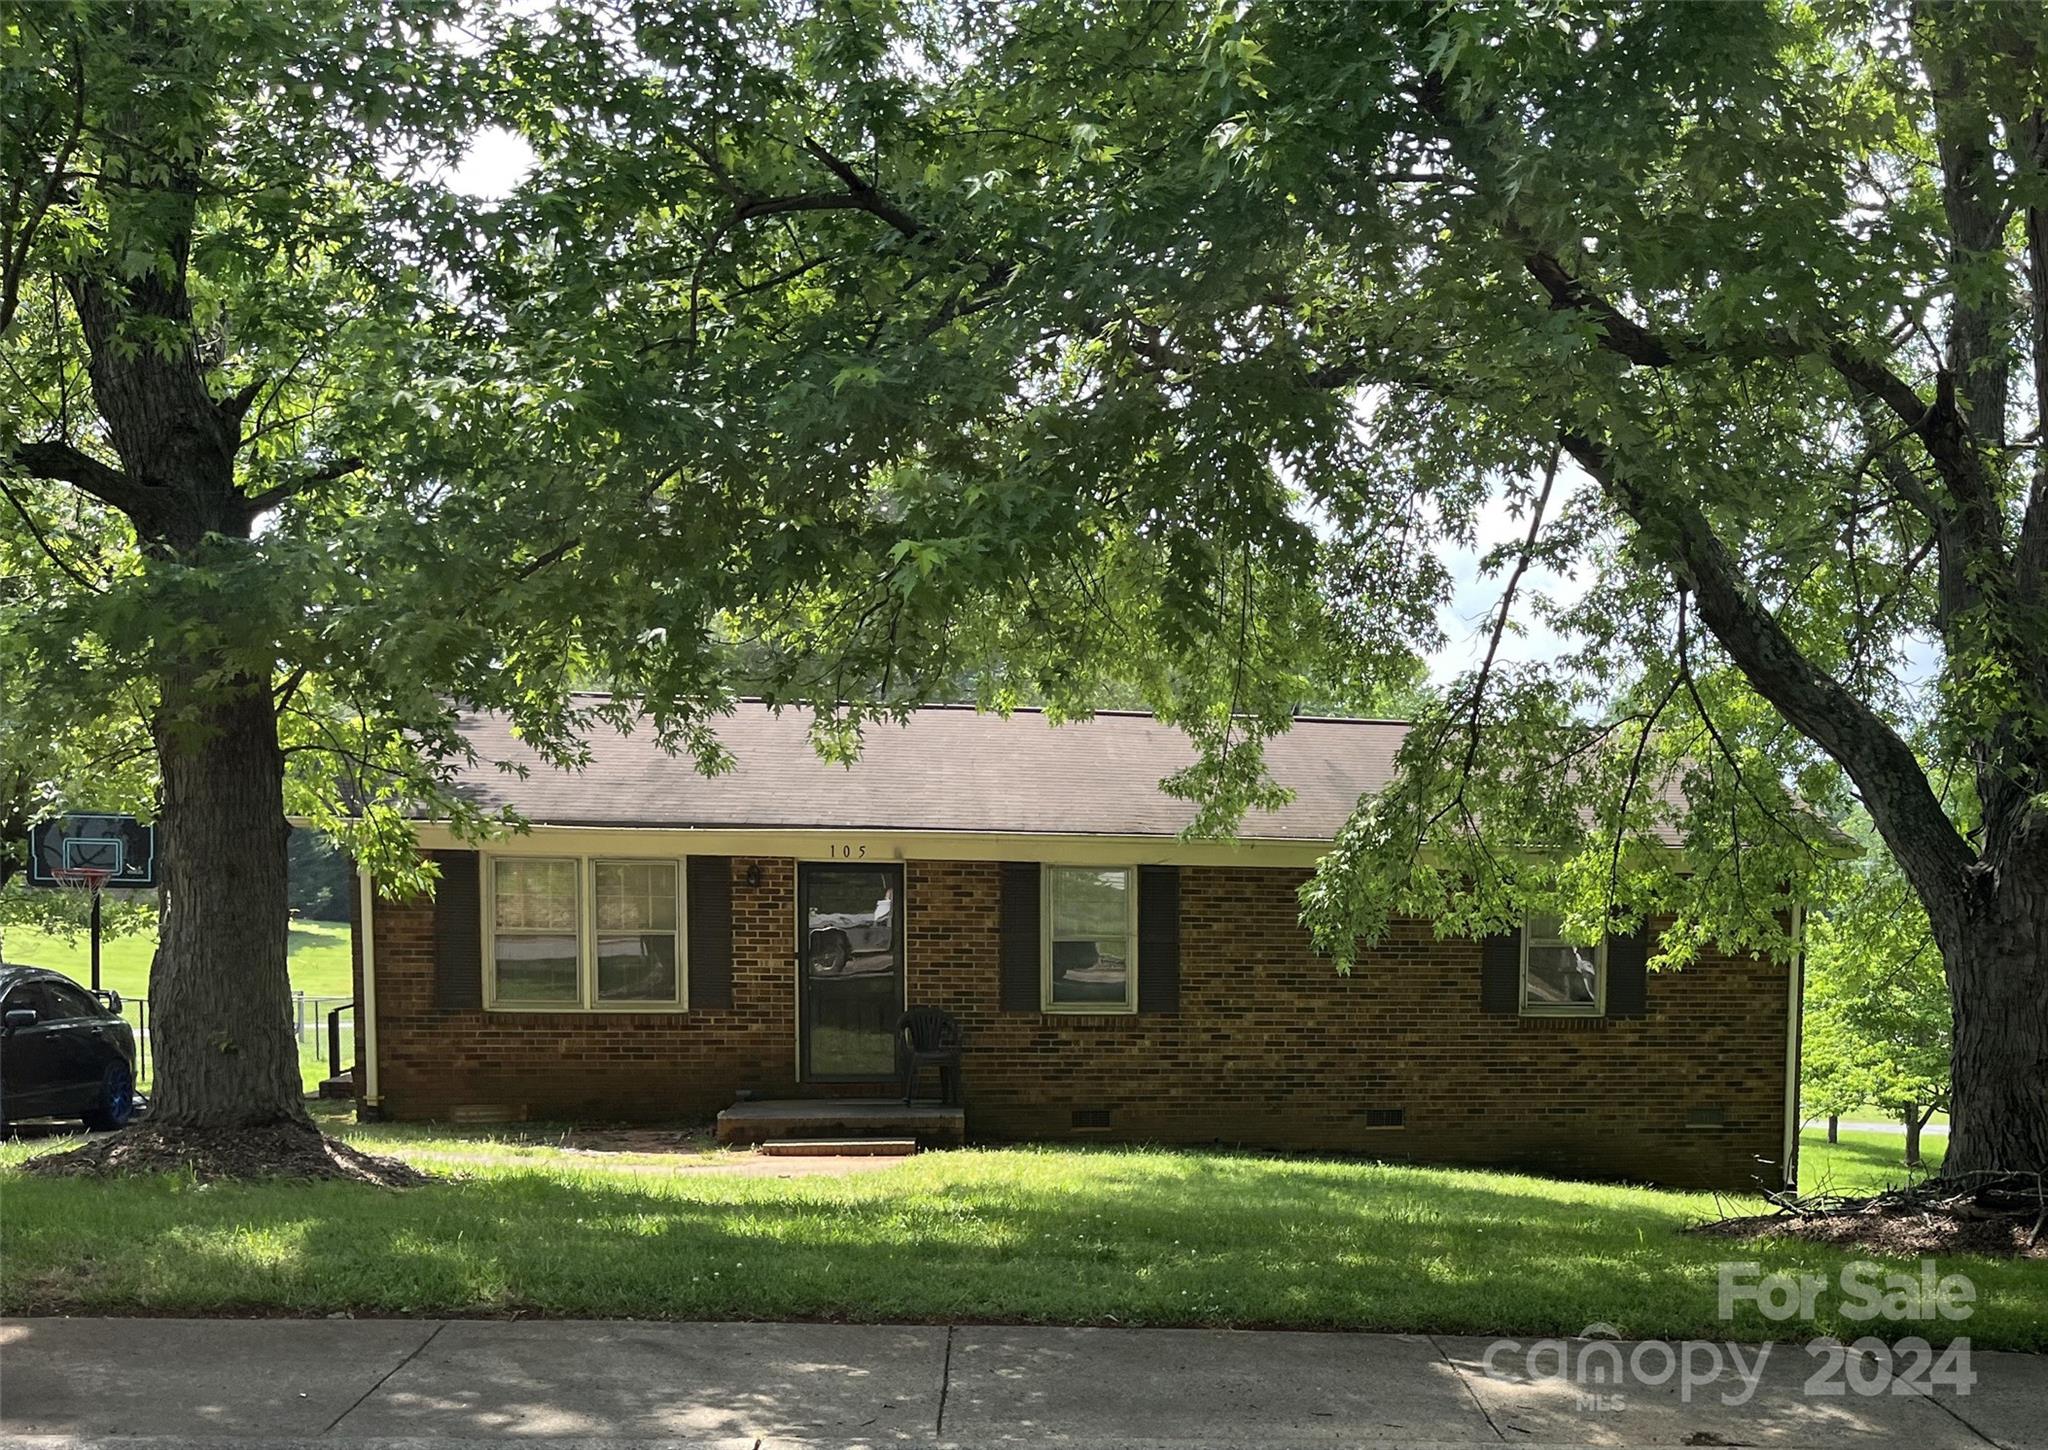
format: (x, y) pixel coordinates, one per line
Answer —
(116, 1107)
(830, 961)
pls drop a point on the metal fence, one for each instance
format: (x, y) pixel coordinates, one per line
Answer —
(326, 1042)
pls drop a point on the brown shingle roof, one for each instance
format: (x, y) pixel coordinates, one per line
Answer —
(948, 768)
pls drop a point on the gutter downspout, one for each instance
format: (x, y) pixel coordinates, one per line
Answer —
(1795, 1015)
(367, 1026)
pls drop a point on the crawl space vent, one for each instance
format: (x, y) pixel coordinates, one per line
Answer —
(485, 1113)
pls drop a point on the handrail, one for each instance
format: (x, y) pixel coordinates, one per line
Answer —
(304, 1020)
(334, 1039)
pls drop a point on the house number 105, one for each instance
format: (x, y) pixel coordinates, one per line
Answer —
(849, 853)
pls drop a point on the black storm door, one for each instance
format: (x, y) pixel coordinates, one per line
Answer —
(850, 970)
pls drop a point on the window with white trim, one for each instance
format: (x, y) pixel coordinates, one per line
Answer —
(536, 933)
(1091, 939)
(570, 934)
(1561, 977)
(636, 932)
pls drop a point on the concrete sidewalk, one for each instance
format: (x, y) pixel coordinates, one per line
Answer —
(399, 1383)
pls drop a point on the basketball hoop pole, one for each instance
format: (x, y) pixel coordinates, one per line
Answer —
(94, 880)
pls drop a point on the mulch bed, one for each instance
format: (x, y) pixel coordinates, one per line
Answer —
(271, 1150)
(2001, 1217)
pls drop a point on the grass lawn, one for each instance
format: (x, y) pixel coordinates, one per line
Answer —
(1872, 1113)
(1862, 1163)
(1055, 1235)
(319, 962)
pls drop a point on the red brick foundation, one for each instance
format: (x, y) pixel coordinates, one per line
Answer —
(1271, 1047)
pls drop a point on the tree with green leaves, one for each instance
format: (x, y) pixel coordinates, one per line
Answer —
(1207, 333)
(1078, 344)
(202, 317)
(269, 488)
(45, 762)
(1877, 1028)
(1769, 288)
(307, 454)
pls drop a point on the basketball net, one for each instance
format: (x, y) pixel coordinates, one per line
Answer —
(83, 878)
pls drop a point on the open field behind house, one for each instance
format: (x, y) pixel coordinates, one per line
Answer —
(319, 965)
(319, 961)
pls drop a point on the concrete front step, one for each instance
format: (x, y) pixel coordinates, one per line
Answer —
(929, 1125)
(838, 1147)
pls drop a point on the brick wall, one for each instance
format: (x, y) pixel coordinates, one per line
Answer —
(575, 1065)
(1271, 1047)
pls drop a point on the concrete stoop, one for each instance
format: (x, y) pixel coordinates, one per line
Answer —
(838, 1147)
(928, 1125)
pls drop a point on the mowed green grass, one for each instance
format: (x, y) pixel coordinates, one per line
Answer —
(1862, 1163)
(319, 961)
(1048, 1235)
(1872, 1113)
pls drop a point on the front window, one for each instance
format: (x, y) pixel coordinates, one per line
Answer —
(547, 951)
(535, 933)
(1560, 976)
(636, 931)
(1091, 940)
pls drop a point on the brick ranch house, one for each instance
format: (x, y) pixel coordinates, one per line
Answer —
(663, 943)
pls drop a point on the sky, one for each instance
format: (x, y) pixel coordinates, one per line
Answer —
(1467, 618)
(497, 161)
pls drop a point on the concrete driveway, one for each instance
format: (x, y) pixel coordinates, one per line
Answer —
(400, 1383)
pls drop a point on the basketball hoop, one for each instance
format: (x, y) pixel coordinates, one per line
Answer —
(84, 852)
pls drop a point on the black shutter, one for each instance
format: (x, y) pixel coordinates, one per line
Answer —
(1500, 974)
(1017, 950)
(1159, 939)
(710, 931)
(1628, 975)
(458, 932)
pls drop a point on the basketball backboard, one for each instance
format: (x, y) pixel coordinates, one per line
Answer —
(121, 846)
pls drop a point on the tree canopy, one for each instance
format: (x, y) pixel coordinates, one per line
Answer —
(1085, 344)
(1182, 342)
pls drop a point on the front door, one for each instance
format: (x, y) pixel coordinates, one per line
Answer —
(850, 970)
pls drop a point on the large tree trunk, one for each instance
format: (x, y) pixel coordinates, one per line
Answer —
(220, 997)
(219, 992)
(1998, 985)
(228, 1100)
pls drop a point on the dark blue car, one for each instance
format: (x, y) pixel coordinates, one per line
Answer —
(63, 1052)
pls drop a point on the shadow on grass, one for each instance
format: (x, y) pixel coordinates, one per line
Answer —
(1863, 1163)
(299, 938)
(1126, 1237)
